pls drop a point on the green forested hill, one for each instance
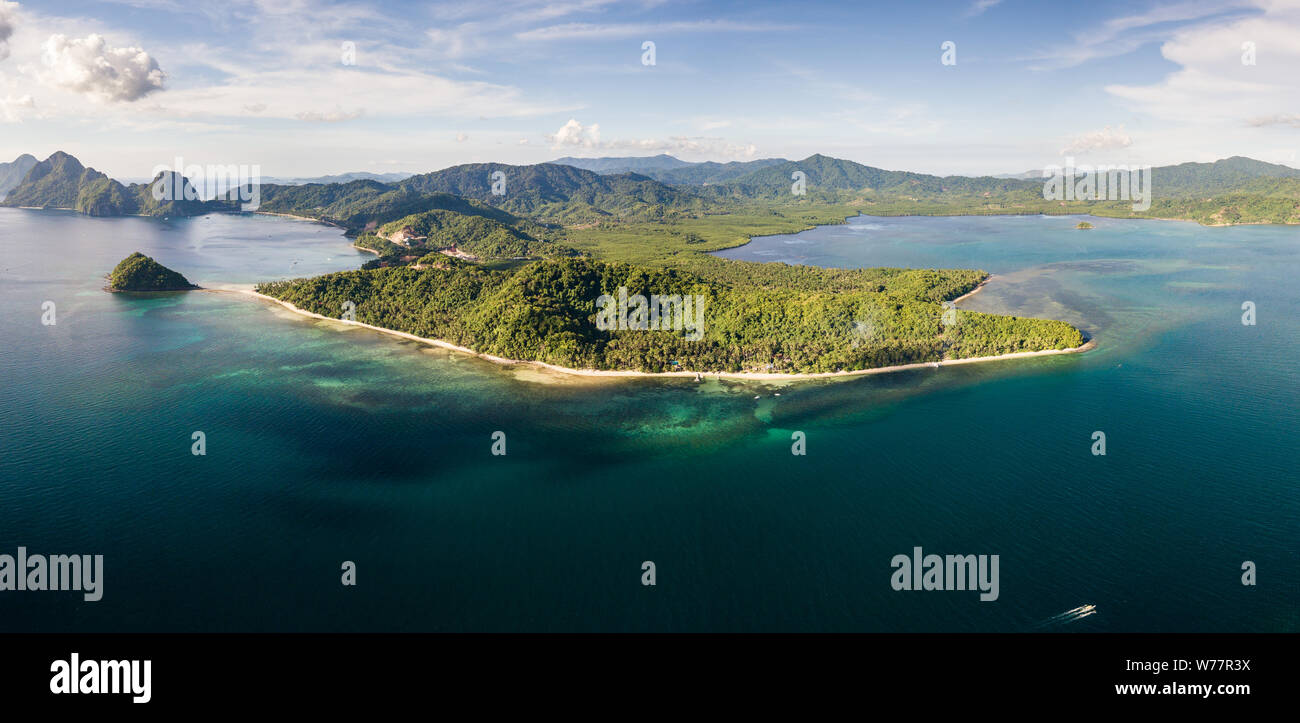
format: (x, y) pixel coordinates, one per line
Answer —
(106, 197)
(53, 183)
(355, 205)
(1228, 175)
(60, 181)
(1231, 190)
(138, 272)
(826, 175)
(559, 193)
(481, 236)
(708, 172)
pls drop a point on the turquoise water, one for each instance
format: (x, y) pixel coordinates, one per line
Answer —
(328, 443)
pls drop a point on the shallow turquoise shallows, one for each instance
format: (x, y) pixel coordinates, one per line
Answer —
(327, 444)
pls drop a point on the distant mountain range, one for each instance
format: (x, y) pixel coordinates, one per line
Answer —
(1220, 175)
(558, 192)
(667, 169)
(339, 178)
(54, 182)
(1038, 173)
(61, 181)
(625, 164)
(658, 187)
(12, 174)
(827, 172)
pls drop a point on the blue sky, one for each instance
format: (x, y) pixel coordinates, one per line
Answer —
(127, 85)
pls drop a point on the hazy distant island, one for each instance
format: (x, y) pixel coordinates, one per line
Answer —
(138, 272)
(515, 270)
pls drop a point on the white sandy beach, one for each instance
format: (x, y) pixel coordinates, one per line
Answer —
(300, 218)
(973, 291)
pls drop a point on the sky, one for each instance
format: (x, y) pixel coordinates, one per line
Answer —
(312, 87)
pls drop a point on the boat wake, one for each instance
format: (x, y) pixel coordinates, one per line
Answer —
(1068, 616)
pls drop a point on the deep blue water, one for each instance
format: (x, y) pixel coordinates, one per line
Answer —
(328, 443)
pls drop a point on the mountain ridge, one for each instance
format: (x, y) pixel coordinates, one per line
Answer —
(1237, 189)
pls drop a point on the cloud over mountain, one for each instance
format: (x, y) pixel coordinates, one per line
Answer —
(575, 135)
(1106, 139)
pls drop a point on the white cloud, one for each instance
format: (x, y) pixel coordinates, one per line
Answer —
(297, 74)
(7, 22)
(1279, 119)
(979, 6)
(579, 31)
(297, 92)
(13, 109)
(456, 42)
(574, 135)
(904, 120)
(482, 34)
(469, 30)
(1213, 86)
(1121, 35)
(702, 147)
(1106, 139)
(338, 115)
(99, 71)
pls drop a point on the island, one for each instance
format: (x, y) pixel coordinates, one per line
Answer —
(1083, 226)
(757, 319)
(139, 273)
(614, 273)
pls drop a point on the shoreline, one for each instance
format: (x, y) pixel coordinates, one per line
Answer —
(299, 218)
(750, 239)
(246, 290)
(978, 288)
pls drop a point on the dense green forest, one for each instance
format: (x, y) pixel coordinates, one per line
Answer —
(138, 272)
(765, 317)
(561, 194)
(53, 183)
(479, 236)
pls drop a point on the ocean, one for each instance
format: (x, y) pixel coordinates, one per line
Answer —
(326, 443)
